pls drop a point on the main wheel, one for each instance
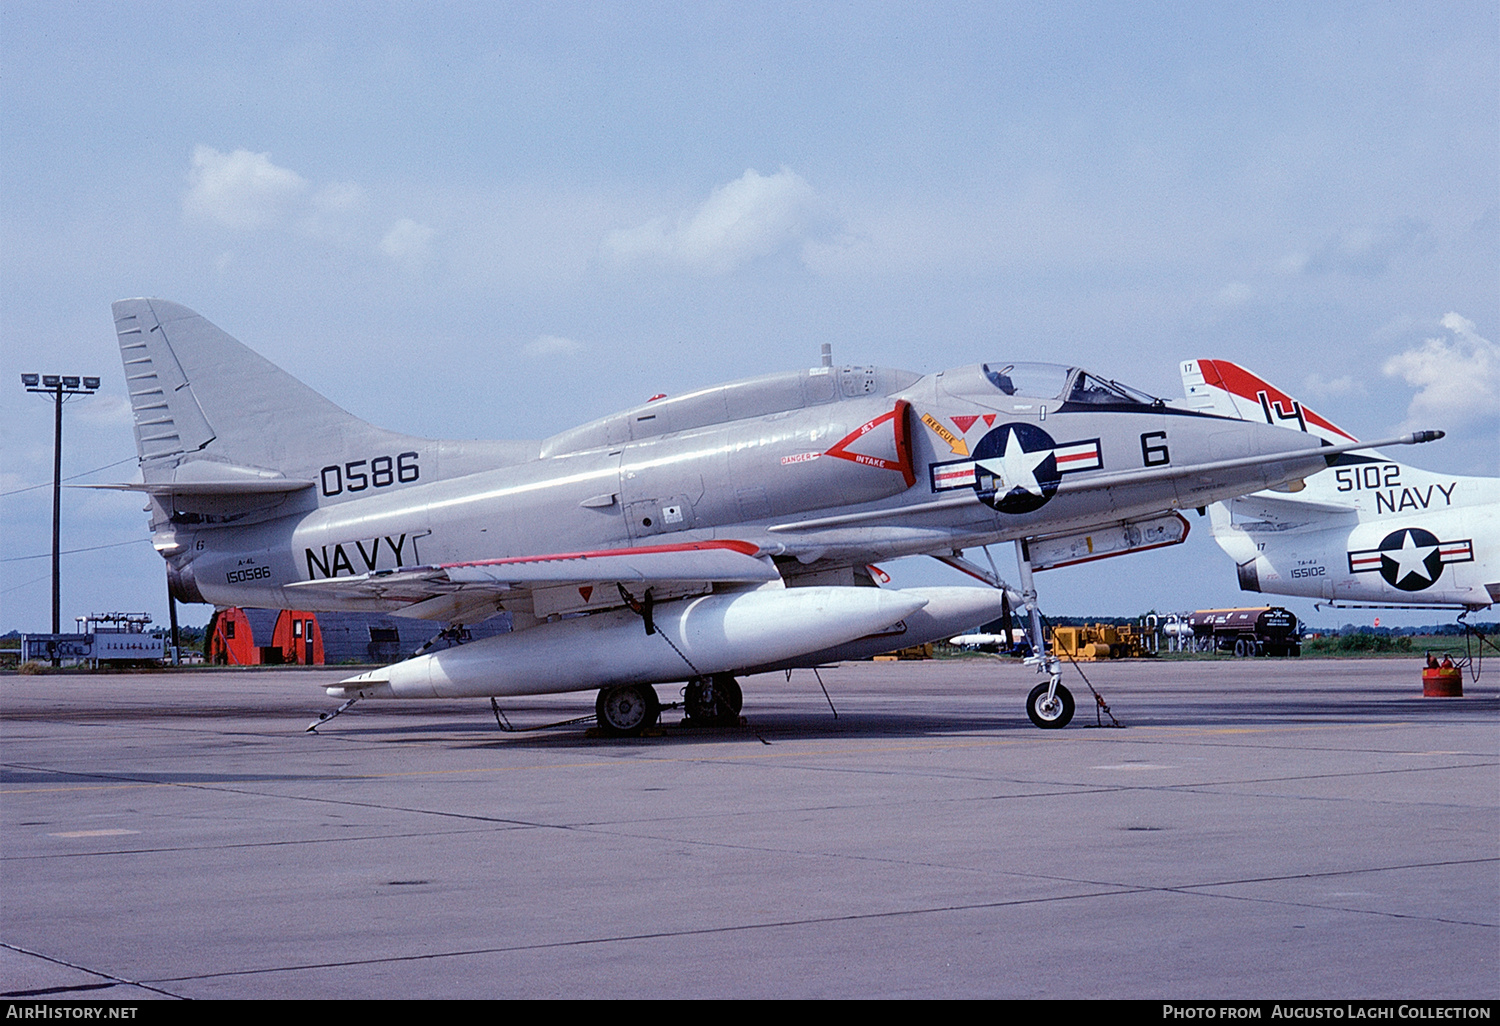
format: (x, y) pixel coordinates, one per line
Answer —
(714, 701)
(1053, 714)
(627, 710)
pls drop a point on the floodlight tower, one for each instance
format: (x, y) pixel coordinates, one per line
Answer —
(59, 388)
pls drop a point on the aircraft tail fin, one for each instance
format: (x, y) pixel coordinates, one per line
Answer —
(1229, 390)
(215, 419)
(196, 392)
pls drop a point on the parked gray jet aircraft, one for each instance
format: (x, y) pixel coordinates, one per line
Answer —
(691, 539)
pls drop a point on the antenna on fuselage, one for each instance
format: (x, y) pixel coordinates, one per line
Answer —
(827, 354)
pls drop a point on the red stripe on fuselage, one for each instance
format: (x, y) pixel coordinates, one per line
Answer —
(744, 548)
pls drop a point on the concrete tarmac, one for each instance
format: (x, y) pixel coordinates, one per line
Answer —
(1261, 829)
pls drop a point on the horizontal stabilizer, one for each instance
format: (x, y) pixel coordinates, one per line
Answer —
(1261, 506)
(205, 477)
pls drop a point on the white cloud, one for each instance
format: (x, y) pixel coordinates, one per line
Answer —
(894, 236)
(1236, 293)
(1363, 253)
(110, 411)
(338, 197)
(1457, 378)
(408, 242)
(241, 190)
(1319, 387)
(246, 191)
(752, 216)
(544, 346)
(1292, 263)
(1024, 227)
(334, 214)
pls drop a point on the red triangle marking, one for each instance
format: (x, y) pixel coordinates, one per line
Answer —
(963, 423)
(586, 591)
(989, 420)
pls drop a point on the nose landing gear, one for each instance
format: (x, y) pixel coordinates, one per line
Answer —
(1050, 707)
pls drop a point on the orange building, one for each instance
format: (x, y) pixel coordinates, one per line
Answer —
(264, 637)
(276, 637)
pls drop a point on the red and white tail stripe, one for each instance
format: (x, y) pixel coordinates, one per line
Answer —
(1229, 390)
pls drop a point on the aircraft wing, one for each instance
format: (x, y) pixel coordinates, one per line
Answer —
(1211, 470)
(1211, 473)
(454, 590)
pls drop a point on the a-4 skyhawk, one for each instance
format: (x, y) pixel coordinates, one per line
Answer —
(692, 539)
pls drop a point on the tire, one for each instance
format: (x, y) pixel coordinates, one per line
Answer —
(732, 693)
(714, 701)
(1054, 717)
(627, 710)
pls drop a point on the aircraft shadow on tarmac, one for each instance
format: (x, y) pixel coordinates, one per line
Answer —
(12, 777)
(779, 721)
(769, 718)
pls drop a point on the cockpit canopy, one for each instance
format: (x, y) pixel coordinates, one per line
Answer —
(1069, 384)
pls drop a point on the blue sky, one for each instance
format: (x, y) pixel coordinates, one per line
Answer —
(503, 220)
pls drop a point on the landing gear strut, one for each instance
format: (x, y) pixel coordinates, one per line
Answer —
(714, 701)
(1049, 705)
(627, 710)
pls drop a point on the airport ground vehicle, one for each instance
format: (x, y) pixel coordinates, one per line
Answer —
(1263, 630)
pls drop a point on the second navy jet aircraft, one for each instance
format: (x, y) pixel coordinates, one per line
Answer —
(692, 539)
(1368, 532)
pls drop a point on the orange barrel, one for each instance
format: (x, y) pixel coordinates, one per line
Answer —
(1443, 682)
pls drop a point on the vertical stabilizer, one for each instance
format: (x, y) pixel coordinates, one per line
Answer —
(1228, 390)
(196, 392)
(168, 419)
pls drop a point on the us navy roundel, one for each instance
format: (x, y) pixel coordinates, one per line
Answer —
(1015, 468)
(1410, 559)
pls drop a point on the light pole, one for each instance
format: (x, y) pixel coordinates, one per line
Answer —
(59, 388)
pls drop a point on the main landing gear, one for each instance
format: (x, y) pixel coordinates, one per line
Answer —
(630, 709)
(627, 710)
(714, 701)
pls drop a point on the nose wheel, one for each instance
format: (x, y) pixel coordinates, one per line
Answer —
(1049, 713)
